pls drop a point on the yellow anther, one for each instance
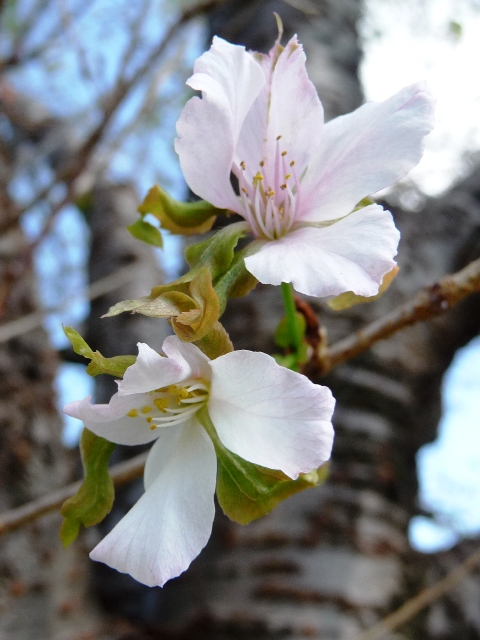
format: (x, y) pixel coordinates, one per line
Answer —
(284, 153)
(270, 193)
(183, 393)
(257, 178)
(244, 190)
(278, 137)
(292, 163)
(146, 409)
(161, 404)
(133, 413)
(149, 419)
(289, 175)
(243, 165)
(153, 427)
(173, 389)
(262, 163)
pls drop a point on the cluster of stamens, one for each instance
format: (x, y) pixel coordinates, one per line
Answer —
(270, 210)
(173, 405)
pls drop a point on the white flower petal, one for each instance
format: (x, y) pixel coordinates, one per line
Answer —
(230, 80)
(110, 420)
(365, 151)
(270, 415)
(295, 114)
(171, 523)
(353, 254)
(198, 362)
(152, 371)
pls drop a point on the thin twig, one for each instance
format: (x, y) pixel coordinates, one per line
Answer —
(15, 518)
(408, 610)
(429, 302)
(100, 287)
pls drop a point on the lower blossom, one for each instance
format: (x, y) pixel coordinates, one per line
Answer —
(264, 413)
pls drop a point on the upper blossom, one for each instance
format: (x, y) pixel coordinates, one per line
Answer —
(260, 120)
(264, 413)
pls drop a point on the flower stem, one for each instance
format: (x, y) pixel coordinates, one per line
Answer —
(291, 314)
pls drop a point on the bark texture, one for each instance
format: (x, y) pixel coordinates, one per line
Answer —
(42, 586)
(332, 561)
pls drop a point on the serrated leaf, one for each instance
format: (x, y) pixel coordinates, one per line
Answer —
(94, 499)
(184, 218)
(349, 299)
(146, 232)
(247, 491)
(216, 342)
(115, 366)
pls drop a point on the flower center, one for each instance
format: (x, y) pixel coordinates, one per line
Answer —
(174, 404)
(271, 196)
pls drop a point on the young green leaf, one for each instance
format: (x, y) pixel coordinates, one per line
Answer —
(94, 499)
(185, 218)
(115, 366)
(247, 491)
(146, 232)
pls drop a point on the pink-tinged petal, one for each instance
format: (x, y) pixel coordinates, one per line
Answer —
(208, 129)
(366, 151)
(171, 523)
(110, 421)
(198, 362)
(270, 415)
(353, 254)
(152, 371)
(288, 106)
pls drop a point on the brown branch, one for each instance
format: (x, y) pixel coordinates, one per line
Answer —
(408, 610)
(15, 518)
(429, 302)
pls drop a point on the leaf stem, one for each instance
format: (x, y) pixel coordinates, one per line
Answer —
(291, 314)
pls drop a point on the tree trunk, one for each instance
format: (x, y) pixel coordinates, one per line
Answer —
(332, 561)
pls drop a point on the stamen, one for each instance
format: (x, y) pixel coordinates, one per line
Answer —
(278, 137)
(243, 165)
(133, 413)
(146, 409)
(284, 153)
(262, 163)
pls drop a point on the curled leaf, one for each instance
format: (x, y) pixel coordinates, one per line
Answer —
(94, 499)
(216, 342)
(185, 218)
(115, 366)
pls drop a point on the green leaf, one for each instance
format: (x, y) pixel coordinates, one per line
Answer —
(115, 366)
(349, 299)
(247, 491)
(185, 218)
(216, 342)
(94, 499)
(236, 281)
(146, 232)
(217, 251)
(283, 337)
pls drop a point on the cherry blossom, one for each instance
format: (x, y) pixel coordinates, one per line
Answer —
(266, 414)
(256, 143)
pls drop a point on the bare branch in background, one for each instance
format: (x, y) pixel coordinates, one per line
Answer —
(99, 288)
(121, 473)
(429, 595)
(429, 302)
